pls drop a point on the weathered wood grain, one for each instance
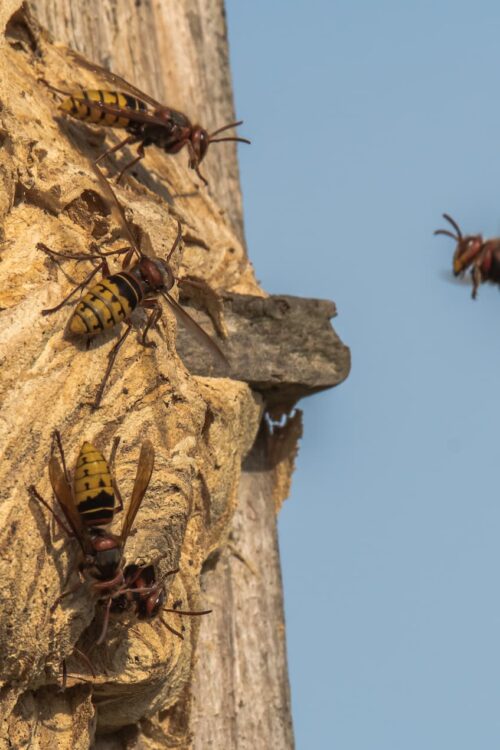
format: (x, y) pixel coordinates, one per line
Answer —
(283, 347)
(245, 644)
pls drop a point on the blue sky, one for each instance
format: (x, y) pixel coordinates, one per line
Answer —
(368, 121)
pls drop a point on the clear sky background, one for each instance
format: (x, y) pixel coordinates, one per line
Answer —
(368, 120)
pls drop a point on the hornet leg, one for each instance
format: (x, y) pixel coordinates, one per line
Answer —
(105, 623)
(476, 280)
(140, 155)
(50, 310)
(152, 321)
(36, 496)
(112, 457)
(126, 141)
(112, 356)
(66, 593)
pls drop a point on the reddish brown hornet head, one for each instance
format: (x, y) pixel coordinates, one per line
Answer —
(149, 606)
(467, 249)
(201, 140)
(157, 275)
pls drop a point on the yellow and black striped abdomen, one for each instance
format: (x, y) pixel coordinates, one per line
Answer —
(106, 304)
(94, 494)
(77, 106)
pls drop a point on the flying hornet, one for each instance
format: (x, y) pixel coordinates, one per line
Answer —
(113, 299)
(482, 256)
(88, 504)
(146, 121)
